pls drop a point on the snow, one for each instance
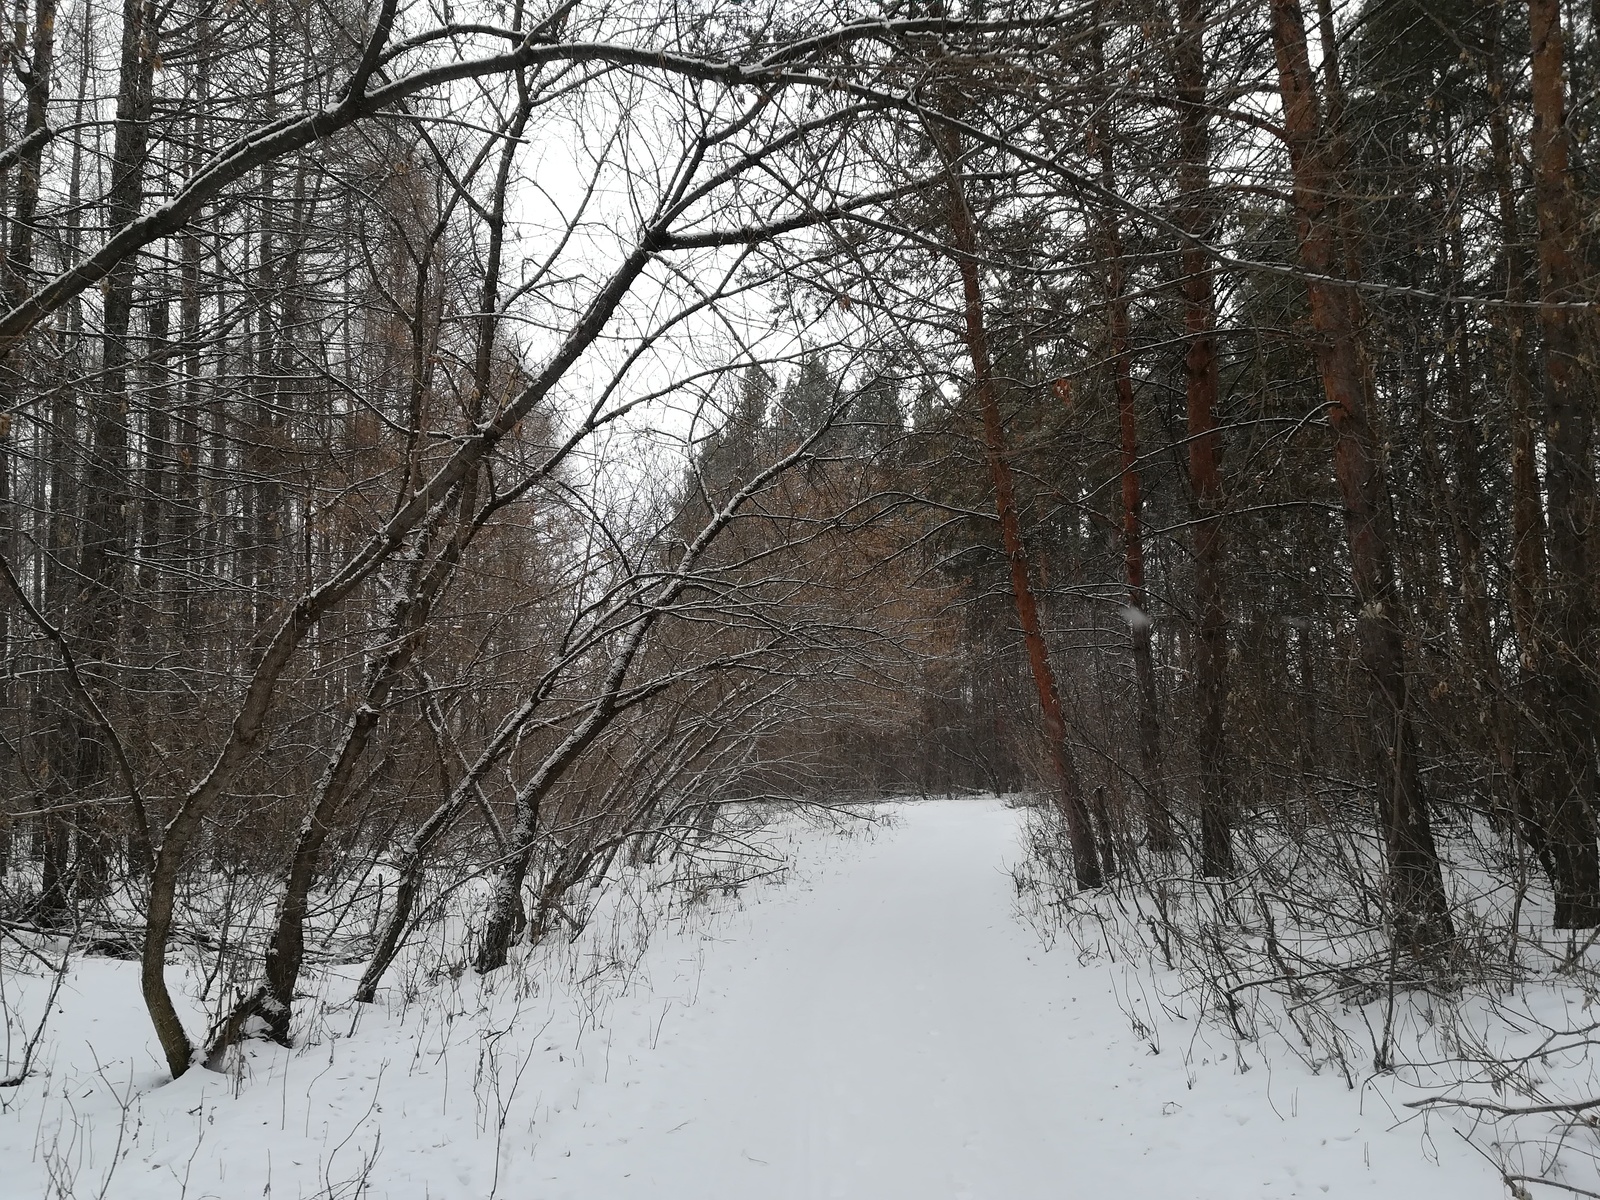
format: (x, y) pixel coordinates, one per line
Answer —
(876, 1024)
(1136, 617)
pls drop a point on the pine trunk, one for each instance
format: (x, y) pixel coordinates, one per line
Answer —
(1074, 807)
(1419, 908)
(1569, 452)
(1197, 218)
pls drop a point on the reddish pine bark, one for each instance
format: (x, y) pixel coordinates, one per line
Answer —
(1570, 636)
(1080, 830)
(1419, 907)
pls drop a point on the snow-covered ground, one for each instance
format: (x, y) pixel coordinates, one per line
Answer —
(875, 1024)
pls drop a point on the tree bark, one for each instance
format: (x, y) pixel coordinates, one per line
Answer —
(1196, 217)
(1569, 452)
(1419, 907)
(107, 502)
(1157, 806)
(35, 75)
(1074, 806)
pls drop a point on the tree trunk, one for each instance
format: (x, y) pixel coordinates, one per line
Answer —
(1418, 903)
(1074, 807)
(1529, 569)
(1157, 806)
(1197, 219)
(191, 420)
(35, 76)
(105, 549)
(1569, 452)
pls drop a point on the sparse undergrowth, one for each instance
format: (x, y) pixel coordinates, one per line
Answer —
(63, 991)
(1494, 1038)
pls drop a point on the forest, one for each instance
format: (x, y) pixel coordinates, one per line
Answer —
(453, 453)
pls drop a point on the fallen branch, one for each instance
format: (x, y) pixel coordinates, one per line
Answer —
(1503, 1109)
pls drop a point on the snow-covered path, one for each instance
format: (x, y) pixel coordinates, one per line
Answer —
(877, 1026)
(894, 1031)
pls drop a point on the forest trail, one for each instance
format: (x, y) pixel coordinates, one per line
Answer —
(889, 1029)
(874, 1023)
